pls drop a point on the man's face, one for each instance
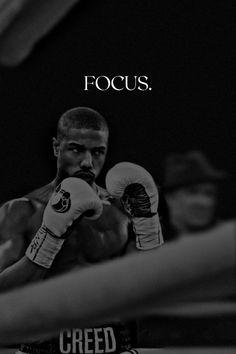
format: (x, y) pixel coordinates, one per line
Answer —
(193, 207)
(81, 153)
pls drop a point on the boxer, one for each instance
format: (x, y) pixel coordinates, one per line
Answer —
(80, 148)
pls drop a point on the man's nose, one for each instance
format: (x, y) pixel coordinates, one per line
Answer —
(87, 161)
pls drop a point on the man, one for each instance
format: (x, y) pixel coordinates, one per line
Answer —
(191, 190)
(42, 218)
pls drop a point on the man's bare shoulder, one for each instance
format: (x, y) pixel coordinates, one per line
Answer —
(41, 194)
(18, 211)
(14, 217)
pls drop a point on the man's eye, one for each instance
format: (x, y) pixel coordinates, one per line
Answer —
(98, 152)
(74, 150)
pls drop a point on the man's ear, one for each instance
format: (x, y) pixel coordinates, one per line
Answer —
(55, 144)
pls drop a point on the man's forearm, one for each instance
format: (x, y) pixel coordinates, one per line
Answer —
(123, 287)
(20, 273)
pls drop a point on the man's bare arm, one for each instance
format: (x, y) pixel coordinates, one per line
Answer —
(50, 236)
(14, 218)
(24, 22)
(124, 287)
(20, 273)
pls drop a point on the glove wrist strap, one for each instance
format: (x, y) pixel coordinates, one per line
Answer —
(148, 232)
(44, 247)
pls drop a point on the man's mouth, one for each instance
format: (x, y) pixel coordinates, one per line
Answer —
(87, 176)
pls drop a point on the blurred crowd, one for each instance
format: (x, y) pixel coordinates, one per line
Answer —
(191, 190)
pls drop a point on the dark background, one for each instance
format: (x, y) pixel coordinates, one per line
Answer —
(186, 48)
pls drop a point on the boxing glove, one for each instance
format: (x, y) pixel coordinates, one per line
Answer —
(71, 199)
(138, 193)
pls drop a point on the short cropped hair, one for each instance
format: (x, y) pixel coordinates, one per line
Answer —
(80, 118)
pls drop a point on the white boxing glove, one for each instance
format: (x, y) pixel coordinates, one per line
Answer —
(136, 189)
(72, 198)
